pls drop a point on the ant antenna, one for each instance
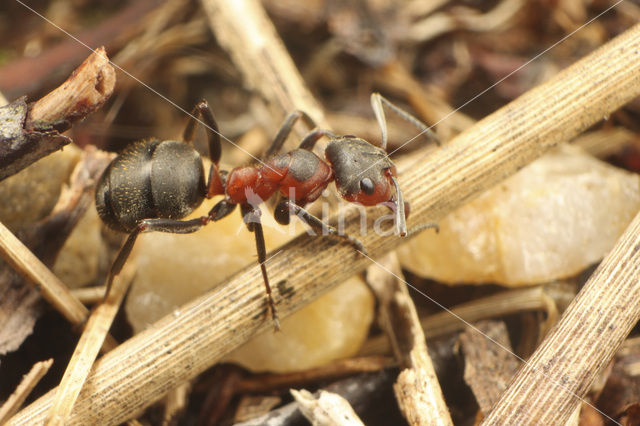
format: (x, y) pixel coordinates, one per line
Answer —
(376, 104)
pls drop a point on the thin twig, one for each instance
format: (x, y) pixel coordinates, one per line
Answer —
(199, 334)
(606, 142)
(29, 266)
(34, 132)
(29, 381)
(417, 389)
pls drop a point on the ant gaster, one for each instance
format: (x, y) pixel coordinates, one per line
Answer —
(152, 184)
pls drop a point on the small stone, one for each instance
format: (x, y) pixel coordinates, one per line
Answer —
(78, 261)
(173, 269)
(30, 195)
(551, 220)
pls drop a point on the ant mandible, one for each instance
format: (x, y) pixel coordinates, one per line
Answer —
(153, 184)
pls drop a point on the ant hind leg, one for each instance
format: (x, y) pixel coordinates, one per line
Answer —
(147, 225)
(285, 130)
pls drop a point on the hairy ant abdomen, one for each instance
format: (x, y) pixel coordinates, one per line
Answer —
(150, 179)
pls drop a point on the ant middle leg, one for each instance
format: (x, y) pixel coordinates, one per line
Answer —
(286, 207)
(285, 130)
(148, 225)
(251, 216)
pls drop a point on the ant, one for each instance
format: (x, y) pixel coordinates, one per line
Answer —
(153, 184)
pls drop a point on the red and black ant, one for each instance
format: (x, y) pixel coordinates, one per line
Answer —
(152, 184)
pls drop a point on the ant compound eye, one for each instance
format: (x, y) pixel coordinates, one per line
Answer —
(367, 186)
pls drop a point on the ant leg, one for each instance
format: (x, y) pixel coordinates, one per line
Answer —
(251, 217)
(123, 255)
(313, 136)
(147, 225)
(202, 111)
(221, 210)
(285, 130)
(215, 183)
(377, 100)
(318, 225)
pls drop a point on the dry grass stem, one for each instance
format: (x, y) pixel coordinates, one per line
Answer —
(440, 23)
(603, 143)
(87, 349)
(29, 266)
(245, 31)
(496, 305)
(549, 387)
(89, 295)
(505, 303)
(29, 381)
(417, 389)
(191, 339)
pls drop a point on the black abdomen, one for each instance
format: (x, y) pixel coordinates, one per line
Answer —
(150, 179)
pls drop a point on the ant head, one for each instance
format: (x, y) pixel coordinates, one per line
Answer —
(362, 171)
(364, 174)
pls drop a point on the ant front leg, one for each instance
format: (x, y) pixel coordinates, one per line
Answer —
(251, 217)
(147, 225)
(285, 208)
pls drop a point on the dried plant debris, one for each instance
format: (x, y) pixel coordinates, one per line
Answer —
(21, 304)
(369, 395)
(29, 381)
(451, 63)
(30, 133)
(620, 397)
(417, 389)
(20, 147)
(326, 409)
(489, 364)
